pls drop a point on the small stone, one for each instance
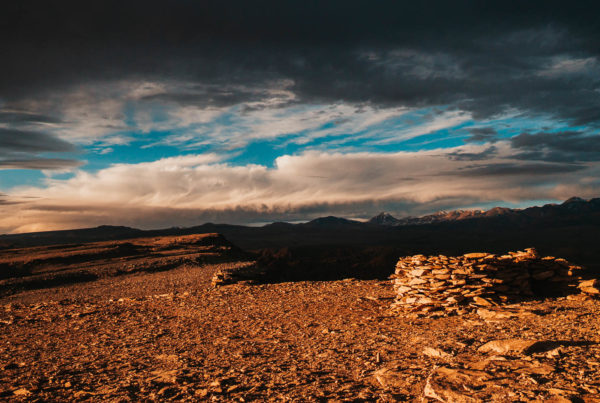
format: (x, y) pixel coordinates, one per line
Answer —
(436, 353)
(475, 255)
(554, 353)
(455, 299)
(21, 392)
(589, 283)
(501, 315)
(590, 290)
(423, 301)
(514, 346)
(417, 273)
(482, 301)
(532, 252)
(82, 394)
(451, 385)
(391, 377)
(201, 393)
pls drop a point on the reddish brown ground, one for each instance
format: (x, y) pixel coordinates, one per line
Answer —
(170, 334)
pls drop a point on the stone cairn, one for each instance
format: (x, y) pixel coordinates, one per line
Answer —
(460, 284)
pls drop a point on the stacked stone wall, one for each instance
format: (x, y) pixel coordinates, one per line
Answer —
(457, 284)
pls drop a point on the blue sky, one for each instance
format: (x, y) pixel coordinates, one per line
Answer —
(410, 130)
(150, 139)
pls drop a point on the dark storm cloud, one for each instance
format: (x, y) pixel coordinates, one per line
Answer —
(484, 57)
(210, 95)
(527, 169)
(572, 141)
(21, 149)
(16, 141)
(464, 156)
(482, 134)
(40, 163)
(14, 117)
(567, 146)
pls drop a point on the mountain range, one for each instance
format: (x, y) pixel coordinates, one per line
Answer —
(327, 246)
(573, 211)
(574, 204)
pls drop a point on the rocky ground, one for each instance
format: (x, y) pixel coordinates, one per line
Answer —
(171, 334)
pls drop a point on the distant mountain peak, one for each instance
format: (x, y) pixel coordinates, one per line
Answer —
(572, 204)
(384, 218)
(114, 227)
(331, 220)
(574, 199)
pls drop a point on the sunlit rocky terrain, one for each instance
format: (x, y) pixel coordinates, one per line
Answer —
(196, 318)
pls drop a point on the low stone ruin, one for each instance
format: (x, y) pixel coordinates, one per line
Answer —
(239, 272)
(458, 284)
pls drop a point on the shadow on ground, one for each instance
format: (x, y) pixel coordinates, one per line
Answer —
(313, 263)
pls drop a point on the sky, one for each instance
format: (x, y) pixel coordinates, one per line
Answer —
(157, 114)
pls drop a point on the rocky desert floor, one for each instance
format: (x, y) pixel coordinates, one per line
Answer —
(172, 335)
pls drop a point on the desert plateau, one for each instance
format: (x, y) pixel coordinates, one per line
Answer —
(194, 317)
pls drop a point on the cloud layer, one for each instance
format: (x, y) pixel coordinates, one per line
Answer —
(537, 56)
(152, 114)
(197, 188)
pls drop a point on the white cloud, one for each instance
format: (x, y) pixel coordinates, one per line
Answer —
(341, 119)
(191, 189)
(299, 124)
(415, 63)
(114, 113)
(441, 121)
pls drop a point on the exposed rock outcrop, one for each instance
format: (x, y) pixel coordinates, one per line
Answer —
(232, 273)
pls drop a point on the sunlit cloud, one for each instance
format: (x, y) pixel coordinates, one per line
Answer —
(184, 190)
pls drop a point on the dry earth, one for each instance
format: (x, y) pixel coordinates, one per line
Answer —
(156, 335)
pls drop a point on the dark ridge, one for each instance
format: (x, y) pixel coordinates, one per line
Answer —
(331, 221)
(569, 230)
(84, 235)
(325, 263)
(574, 199)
